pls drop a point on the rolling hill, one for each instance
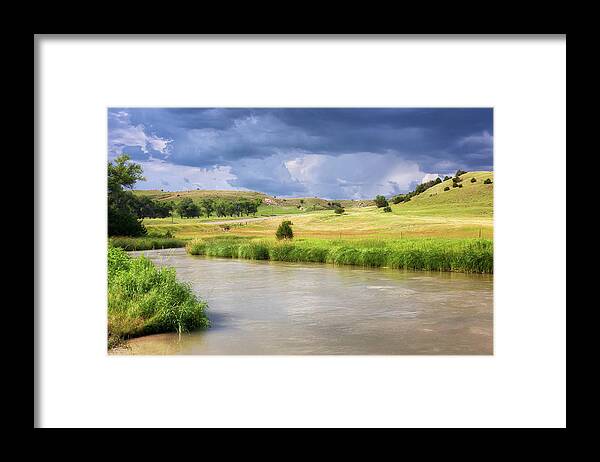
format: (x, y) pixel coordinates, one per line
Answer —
(196, 195)
(473, 199)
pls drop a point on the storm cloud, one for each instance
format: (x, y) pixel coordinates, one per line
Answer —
(330, 153)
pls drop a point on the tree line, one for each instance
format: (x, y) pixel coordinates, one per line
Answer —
(187, 208)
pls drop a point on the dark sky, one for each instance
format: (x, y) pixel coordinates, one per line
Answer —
(330, 153)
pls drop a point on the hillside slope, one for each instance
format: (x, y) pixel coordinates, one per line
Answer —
(196, 195)
(475, 199)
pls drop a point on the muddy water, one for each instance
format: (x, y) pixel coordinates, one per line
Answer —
(259, 307)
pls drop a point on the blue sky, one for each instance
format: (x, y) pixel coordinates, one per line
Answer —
(329, 153)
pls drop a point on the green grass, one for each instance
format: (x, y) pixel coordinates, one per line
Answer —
(144, 299)
(462, 255)
(146, 243)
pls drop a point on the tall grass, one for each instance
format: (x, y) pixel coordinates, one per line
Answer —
(144, 299)
(146, 243)
(462, 255)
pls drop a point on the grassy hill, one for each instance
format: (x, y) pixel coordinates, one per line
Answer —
(473, 199)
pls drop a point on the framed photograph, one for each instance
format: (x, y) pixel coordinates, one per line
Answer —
(289, 224)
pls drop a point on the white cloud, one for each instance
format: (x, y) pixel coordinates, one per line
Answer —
(355, 176)
(122, 134)
(429, 177)
(159, 174)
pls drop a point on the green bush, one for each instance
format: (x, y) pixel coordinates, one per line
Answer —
(447, 188)
(381, 201)
(387, 209)
(473, 180)
(284, 231)
(487, 181)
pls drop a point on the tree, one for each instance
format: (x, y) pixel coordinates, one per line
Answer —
(447, 188)
(123, 208)
(460, 172)
(284, 231)
(187, 208)
(221, 208)
(207, 207)
(123, 174)
(338, 209)
(387, 209)
(473, 180)
(487, 181)
(381, 201)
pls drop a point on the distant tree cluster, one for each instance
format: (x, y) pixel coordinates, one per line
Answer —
(187, 208)
(418, 190)
(145, 207)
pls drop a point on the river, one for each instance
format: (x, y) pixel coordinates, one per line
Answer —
(265, 307)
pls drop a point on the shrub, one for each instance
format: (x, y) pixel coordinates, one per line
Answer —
(398, 199)
(456, 179)
(460, 172)
(381, 201)
(284, 231)
(339, 210)
(487, 181)
(460, 185)
(387, 209)
(447, 188)
(473, 180)
(455, 185)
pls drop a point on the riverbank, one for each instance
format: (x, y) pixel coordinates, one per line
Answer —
(460, 255)
(146, 243)
(144, 299)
